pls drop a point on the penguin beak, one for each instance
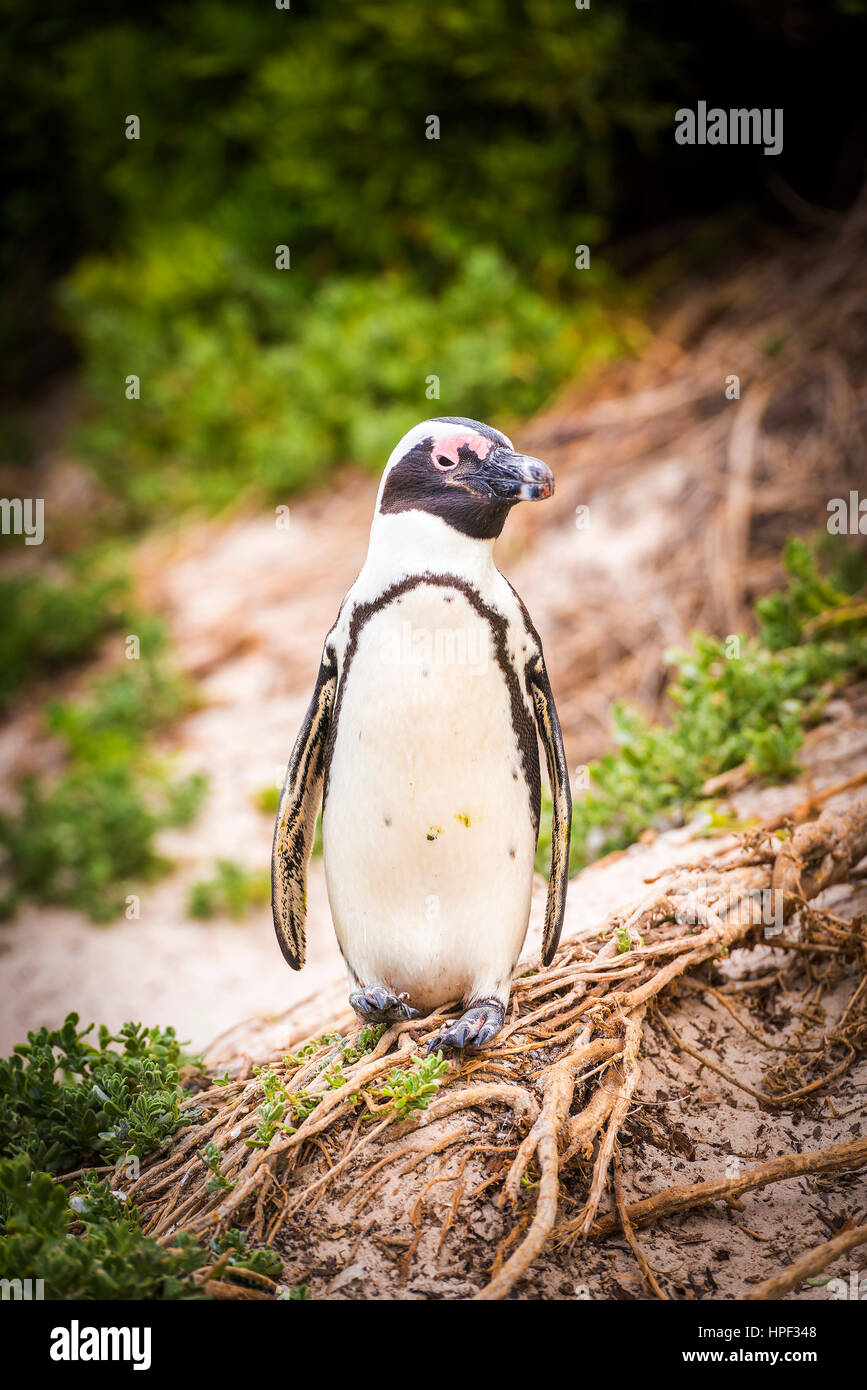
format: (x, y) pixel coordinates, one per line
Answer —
(512, 477)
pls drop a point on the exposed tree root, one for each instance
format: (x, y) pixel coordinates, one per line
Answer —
(554, 1090)
(629, 1232)
(810, 1263)
(833, 1160)
(627, 1074)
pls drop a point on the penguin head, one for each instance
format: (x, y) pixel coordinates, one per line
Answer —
(464, 472)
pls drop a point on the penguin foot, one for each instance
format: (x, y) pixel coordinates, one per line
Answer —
(377, 1004)
(477, 1026)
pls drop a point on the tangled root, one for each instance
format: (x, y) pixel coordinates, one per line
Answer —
(562, 1074)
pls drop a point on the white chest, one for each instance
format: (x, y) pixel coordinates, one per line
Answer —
(428, 827)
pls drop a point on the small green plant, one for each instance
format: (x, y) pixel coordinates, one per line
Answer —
(217, 1182)
(233, 890)
(623, 939)
(92, 1199)
(414, 1090)
(364, 1043)
(261, 1261)
(304, 1104)
(271, 1111)
(309, 1049)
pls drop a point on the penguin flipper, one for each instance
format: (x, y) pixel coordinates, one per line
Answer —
(561, 828)
(296, 818)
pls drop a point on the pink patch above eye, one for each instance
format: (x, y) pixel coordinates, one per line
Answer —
(448, 446)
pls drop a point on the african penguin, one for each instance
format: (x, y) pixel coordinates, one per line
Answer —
(421, 742)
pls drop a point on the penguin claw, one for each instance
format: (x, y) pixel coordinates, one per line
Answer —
(376, 1004)
(474, 1028)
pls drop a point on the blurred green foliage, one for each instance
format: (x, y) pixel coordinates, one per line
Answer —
(267, 799)
(84, 838)
(226, 406)
(745, 704)
(410, 257)
(233, 890)
(50, 622)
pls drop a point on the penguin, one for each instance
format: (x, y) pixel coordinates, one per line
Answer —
(421, 742)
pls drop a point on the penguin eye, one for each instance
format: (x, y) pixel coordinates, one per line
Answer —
(446, 465)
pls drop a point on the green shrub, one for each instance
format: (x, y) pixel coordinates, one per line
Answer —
(86, 840)
(85, 837)
(816, 604)
(89, 1245)
(750, 707)
(122, 709)
(224, 408)
(49, 623)
(462, 267)
(65, 1102)
(82, 1253)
